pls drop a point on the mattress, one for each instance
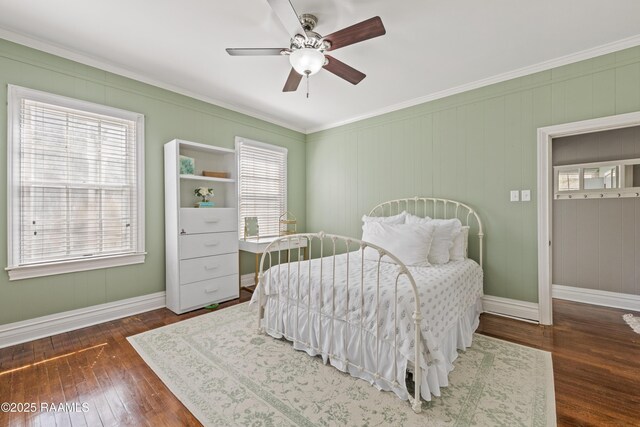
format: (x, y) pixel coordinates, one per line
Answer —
(339, 324)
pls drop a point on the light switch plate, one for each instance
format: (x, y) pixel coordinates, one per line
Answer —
(515, 195)
(525, 195)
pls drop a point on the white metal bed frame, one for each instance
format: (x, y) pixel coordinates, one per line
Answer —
(440, 208)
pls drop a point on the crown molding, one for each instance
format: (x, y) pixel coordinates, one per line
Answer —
(86, 59)
(520, 72)
(104, 65)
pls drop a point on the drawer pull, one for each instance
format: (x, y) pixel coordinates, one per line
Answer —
(212, 221)
(211, 267)
(211, 290)
(212, 244)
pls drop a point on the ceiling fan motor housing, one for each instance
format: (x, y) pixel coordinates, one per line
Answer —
(308, 21)
(310, 39)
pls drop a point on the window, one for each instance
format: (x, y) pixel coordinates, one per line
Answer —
(569, 180)
(262, 184)
(76, 179)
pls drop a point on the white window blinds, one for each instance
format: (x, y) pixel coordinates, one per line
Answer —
(76, 181)
(262, 175)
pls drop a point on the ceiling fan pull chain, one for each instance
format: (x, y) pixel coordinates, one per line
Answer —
(307, 85)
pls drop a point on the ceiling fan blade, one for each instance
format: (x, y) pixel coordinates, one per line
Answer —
(288, 16)
(293, 81)
(365, 30)
(255, 51)
(343, 70)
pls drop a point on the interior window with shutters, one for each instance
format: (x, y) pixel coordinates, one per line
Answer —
(75, 185)
(262, 185)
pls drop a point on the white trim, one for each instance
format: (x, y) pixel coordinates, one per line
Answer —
(17, 92)
(510, 308)
(74, 265)
(545, 192)
(544, 228)
(509, 75)
(265, 145)
(14, 96)
(597, 297)
(105, 65)
(32, 329)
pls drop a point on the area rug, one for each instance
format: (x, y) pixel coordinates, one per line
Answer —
(632, 321)
(226, 373)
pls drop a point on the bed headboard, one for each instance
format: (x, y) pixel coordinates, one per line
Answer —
(435, 208)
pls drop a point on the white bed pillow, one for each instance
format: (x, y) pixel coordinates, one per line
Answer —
(446, 230)
(393, 219)
(414, 219)
(409, 243)
(459, 250)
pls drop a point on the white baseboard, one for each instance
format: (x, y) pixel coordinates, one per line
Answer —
(597, 297)
(53, 324)
(522, 310)
(247, 279)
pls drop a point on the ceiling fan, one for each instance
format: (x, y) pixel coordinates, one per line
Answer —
(307, 48)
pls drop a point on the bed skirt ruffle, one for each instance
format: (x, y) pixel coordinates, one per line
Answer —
(331, 347)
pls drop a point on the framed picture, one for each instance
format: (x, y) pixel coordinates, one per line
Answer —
(187, 165)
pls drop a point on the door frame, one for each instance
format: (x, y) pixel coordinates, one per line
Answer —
(545, 194)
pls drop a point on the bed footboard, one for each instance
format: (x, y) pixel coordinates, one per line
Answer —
(321, 245)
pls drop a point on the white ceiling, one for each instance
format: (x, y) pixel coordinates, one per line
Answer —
(431, 47)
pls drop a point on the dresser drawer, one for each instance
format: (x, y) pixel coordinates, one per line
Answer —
(208, 220)
(198, 294)
(201, 245)
(196, 269)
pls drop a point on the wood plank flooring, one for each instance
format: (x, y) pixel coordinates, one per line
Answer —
(596, 359)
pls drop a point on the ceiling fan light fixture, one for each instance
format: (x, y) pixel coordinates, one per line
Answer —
(306, 61)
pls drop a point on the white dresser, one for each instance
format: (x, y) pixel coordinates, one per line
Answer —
(201, 243)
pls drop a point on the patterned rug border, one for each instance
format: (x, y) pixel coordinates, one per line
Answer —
(549, 378)
(173, 387)
(176, 388)
(633, 322)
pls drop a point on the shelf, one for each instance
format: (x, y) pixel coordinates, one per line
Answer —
(205, 148)
(599, 194)
(206, 178)
(212, 208)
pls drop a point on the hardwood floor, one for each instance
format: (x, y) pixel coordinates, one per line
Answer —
(596, 359)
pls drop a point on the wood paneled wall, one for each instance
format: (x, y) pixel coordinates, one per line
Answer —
(168, 115)
(596, 243)
(473, 147)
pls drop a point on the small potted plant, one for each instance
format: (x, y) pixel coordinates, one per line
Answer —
(204, 193)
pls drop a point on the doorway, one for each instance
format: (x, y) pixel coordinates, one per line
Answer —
(546, 136)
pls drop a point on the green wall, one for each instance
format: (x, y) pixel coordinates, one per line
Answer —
(167, 116)
(473, 147)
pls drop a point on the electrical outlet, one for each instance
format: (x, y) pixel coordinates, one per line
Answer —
(525, 195)
(515, 196)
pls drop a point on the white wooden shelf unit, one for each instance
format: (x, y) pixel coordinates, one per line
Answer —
(201, 243)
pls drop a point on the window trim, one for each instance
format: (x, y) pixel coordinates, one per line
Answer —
(266, 146)
(17, 272)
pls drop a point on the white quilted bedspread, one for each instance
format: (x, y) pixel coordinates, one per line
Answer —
(446, 292)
